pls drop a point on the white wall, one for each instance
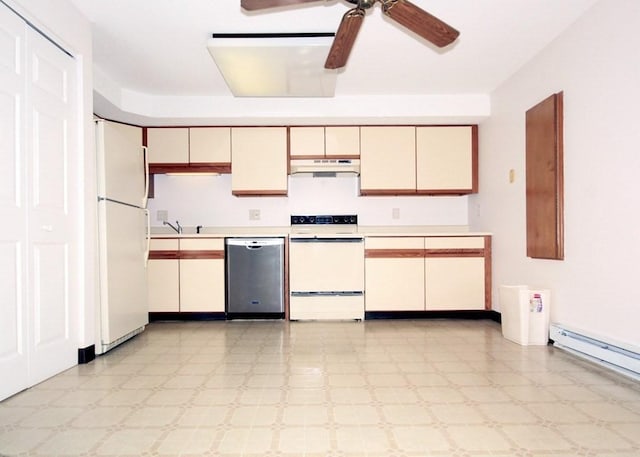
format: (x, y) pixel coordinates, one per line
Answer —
(596, 64)
(60, 21)
(207, 201)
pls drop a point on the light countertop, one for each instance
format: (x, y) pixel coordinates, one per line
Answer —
(363, 230)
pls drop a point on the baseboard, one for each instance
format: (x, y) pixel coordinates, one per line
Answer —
(464, 314)
(86, 355)
(172, 316)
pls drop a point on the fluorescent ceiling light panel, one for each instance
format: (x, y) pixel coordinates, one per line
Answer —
(274, 65)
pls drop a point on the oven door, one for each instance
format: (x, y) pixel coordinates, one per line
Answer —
(326, 277)
(326, 265)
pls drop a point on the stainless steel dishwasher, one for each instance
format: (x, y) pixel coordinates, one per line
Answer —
(255, 278)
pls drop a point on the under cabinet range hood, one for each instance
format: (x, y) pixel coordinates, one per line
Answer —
(325, 167)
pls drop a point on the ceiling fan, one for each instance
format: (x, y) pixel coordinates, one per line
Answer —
(403, 12)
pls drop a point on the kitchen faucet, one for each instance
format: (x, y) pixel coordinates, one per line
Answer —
(177, 227)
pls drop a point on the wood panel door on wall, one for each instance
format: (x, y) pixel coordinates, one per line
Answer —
(545, 181)
(39, 199)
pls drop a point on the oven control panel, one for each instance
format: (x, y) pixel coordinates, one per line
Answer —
(348, 219)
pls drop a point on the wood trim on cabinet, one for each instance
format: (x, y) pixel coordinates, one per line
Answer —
(322, 157)
(191, 254)
(487, 273)
(393, 253)
(474, 159)
(164, 255)
(387, 192)
(258, 193)
(454, 252)
(444, 191)
(211, 167)
(201, 254)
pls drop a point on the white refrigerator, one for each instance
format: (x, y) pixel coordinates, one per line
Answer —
(123, 225)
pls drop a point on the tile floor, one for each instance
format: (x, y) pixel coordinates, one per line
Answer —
(344, 389)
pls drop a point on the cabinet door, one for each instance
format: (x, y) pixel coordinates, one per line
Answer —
(209, 145)
(163, 275)
(168, 145)
(455, 282)
(394, 274)
(445, 159)
(387, 160)
(163, 283)
(259, 160)
(342, 141)
(202, 285)
(202, 276)
(306, 141)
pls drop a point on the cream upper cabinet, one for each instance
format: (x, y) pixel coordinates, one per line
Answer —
(342, 141)
(455, 283)
(168, 145)
(445, 159)
(259, 160)
(202, 277)
(394, 274)
(387, 160)
(330, 141)
(306, 141)
(209, 145)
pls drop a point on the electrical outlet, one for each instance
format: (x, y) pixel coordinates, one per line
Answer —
(254, 214)
(162, 215)
(395, 213)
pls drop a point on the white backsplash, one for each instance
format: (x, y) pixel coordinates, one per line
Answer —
(207, 201)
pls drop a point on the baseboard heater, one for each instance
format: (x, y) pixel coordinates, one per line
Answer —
(616, 356)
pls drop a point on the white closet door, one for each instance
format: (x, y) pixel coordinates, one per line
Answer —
(40, 198)
(53, 213)
(13, 236)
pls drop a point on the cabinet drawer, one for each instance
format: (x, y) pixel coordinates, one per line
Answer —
(202, 244)
(455, 242)
(163, 244)
(394, 243)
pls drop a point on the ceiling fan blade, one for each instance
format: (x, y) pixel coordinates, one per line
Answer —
(253, 5)
(420, 22)
(345, 37)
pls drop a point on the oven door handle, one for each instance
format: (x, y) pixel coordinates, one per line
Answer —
(343, 293)
(326, 240)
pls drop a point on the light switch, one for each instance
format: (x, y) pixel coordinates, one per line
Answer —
(395, 213)
(512, 176)
(162, 215)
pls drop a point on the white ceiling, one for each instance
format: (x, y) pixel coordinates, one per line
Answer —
(158, 47)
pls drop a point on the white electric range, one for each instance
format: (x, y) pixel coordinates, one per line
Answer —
(326, 268)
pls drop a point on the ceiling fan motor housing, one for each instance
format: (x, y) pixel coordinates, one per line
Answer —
(363, 4)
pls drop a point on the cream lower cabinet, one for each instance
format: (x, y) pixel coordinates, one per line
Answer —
(186, 275)
(163, 275)
(427, 273)
(394, 274)
(202, 275)
(455, 273)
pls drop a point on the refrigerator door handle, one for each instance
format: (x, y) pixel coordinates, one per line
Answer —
(145, 198)
(148, 248)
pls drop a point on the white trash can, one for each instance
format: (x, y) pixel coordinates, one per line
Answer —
(525, 314)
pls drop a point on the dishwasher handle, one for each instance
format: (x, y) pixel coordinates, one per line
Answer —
(254, 243)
